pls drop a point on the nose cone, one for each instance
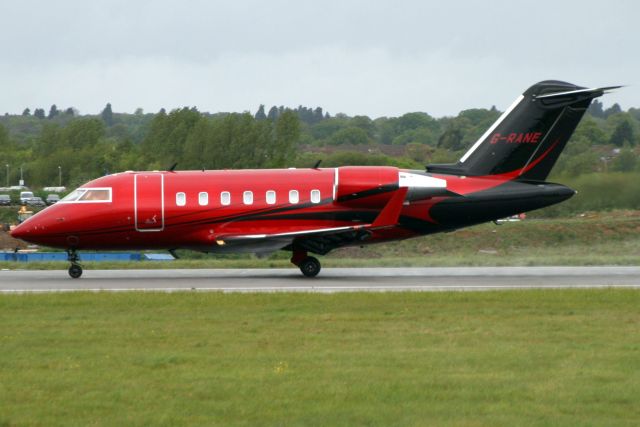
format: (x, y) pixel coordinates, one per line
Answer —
(32, 230)
(46, 228)
(18, 232)
(27, 231)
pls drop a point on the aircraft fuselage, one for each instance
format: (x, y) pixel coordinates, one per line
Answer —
(211, 210)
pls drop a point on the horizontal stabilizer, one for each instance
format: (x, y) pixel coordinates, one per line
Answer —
(594, 92)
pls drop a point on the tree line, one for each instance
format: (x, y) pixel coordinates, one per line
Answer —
(82, 147)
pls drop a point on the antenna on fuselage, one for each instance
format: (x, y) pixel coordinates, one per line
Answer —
(317, 164)
(173, 167)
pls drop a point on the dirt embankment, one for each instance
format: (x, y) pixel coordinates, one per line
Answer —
(9, 243)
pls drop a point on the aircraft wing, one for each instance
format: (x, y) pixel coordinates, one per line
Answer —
(320, 240)
(289, 235)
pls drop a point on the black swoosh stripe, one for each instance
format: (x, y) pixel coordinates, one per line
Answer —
(368, 193)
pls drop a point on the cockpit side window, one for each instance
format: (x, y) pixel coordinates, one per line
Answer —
(96, 195)
(88, 195)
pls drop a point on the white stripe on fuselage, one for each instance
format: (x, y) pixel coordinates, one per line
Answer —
(335, 183)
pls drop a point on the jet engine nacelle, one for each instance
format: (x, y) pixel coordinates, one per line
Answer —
(373, 186)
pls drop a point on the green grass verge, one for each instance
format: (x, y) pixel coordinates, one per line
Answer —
(603, 254)
(596, 239)
(495, 358)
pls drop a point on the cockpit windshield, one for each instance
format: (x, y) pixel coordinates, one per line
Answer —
(88, 195)
(73, 196)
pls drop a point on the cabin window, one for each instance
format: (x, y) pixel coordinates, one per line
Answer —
(294, 196)
(271, 197)
(247, 198)
(225, 198)
(203, 198)
(315, 196)
(181, 199)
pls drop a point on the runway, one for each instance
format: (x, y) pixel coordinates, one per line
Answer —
(329, 280)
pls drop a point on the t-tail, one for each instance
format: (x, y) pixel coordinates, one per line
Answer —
(527, 139)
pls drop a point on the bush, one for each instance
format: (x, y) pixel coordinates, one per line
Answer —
(599, 192)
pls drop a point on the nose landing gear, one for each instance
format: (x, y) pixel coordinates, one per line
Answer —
(75, 270)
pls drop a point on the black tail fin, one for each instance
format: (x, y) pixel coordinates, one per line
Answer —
(525, 142)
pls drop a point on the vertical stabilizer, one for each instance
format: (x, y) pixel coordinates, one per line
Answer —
(526, 140)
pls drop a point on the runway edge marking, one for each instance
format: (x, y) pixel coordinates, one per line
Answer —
(326, 289)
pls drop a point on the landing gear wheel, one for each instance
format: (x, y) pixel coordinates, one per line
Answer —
(310, 266)
(75, 271)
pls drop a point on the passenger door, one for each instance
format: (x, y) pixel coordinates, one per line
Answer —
(149, 201)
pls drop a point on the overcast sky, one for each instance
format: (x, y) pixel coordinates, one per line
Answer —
(358, 57)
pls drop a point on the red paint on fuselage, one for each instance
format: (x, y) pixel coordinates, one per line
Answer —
(144, 213)
(165, 210)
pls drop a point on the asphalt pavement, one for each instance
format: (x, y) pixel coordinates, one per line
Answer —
(329, 280)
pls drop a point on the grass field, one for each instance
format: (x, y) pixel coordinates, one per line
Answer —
(465, 359)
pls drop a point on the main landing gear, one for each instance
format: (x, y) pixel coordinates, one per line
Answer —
(309, 266)
(75, 270)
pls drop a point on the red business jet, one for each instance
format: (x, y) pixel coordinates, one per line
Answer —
(320, 209)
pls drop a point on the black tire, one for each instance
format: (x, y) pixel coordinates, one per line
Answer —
(310, 266)
(75, 271)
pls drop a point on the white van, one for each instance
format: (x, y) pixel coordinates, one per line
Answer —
(25, 195)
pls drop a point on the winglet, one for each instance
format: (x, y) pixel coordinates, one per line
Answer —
(388, 216)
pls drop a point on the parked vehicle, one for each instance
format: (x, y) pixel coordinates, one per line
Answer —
(5, 200)
(55, 189)
(36, 201)
(52, 198)
(25, 195)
